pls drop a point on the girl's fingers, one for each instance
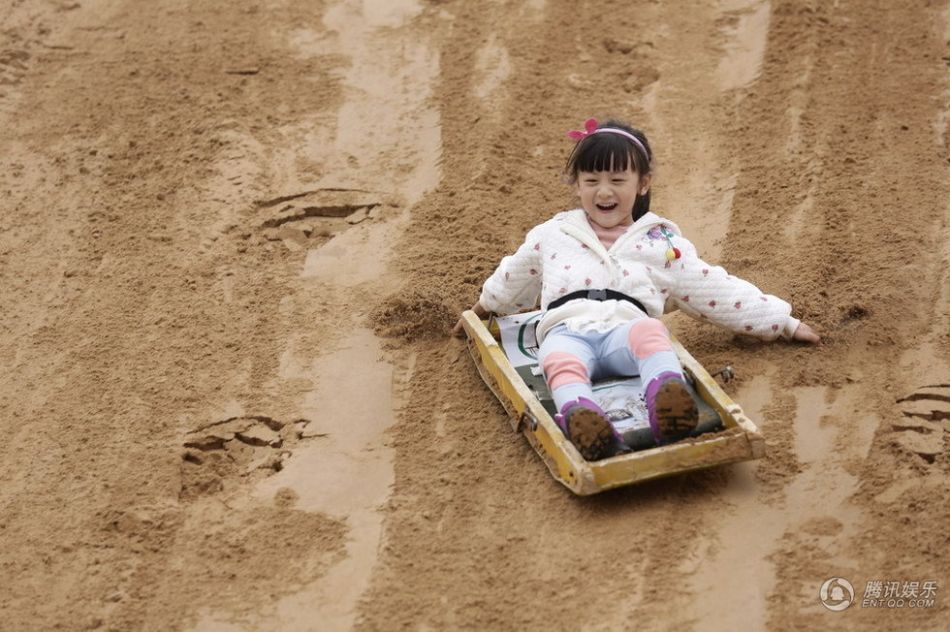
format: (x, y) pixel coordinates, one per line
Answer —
(806, 334)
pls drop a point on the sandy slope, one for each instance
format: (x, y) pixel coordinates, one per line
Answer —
(234, 234)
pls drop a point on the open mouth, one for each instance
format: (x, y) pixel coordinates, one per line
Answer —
(606, 207)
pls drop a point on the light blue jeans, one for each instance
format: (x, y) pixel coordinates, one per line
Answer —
(605, 355)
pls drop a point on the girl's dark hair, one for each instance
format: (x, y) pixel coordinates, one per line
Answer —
(613, 152)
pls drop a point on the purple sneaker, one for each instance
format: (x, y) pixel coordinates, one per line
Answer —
(586, 425)
(673, 412)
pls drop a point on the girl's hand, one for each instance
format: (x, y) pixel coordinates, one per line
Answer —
(458, 331)
(804, 333)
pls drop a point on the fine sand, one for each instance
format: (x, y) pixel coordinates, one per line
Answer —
(234, 237)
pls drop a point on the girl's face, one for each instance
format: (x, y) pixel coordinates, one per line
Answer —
(608, 196)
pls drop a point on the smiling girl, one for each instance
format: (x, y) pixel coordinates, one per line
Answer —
(605, 273)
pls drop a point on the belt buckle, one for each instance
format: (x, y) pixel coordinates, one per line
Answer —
(597, 295)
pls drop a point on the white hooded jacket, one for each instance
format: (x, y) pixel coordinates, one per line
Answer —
(564, 255)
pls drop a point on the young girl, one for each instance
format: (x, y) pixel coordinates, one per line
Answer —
(605, 273)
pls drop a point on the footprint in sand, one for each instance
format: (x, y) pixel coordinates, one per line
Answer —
(231, 451)
(925, 416)
(311, 218)
(13, 67)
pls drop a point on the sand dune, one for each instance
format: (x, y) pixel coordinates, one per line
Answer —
(234, 238)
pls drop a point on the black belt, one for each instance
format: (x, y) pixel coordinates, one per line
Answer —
(596, 295)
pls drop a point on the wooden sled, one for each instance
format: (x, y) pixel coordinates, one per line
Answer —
(738, 439)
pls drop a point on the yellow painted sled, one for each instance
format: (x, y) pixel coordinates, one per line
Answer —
(728, 435)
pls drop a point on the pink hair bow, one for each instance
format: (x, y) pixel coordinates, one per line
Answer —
(590, 126)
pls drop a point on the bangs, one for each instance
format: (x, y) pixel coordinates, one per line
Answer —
(606, 152)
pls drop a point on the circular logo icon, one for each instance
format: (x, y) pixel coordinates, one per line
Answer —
(836, 594)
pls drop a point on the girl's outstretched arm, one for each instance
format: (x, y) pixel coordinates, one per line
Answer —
(515, 284)
(708, 292)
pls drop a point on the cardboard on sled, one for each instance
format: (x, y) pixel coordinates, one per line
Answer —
(734, 439)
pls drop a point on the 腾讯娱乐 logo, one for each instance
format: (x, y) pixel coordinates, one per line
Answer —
(836, 594)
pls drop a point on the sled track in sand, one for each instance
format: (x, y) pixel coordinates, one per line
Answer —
(234, 237)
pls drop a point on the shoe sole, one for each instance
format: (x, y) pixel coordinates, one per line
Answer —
(676, 412)
(591, 434)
